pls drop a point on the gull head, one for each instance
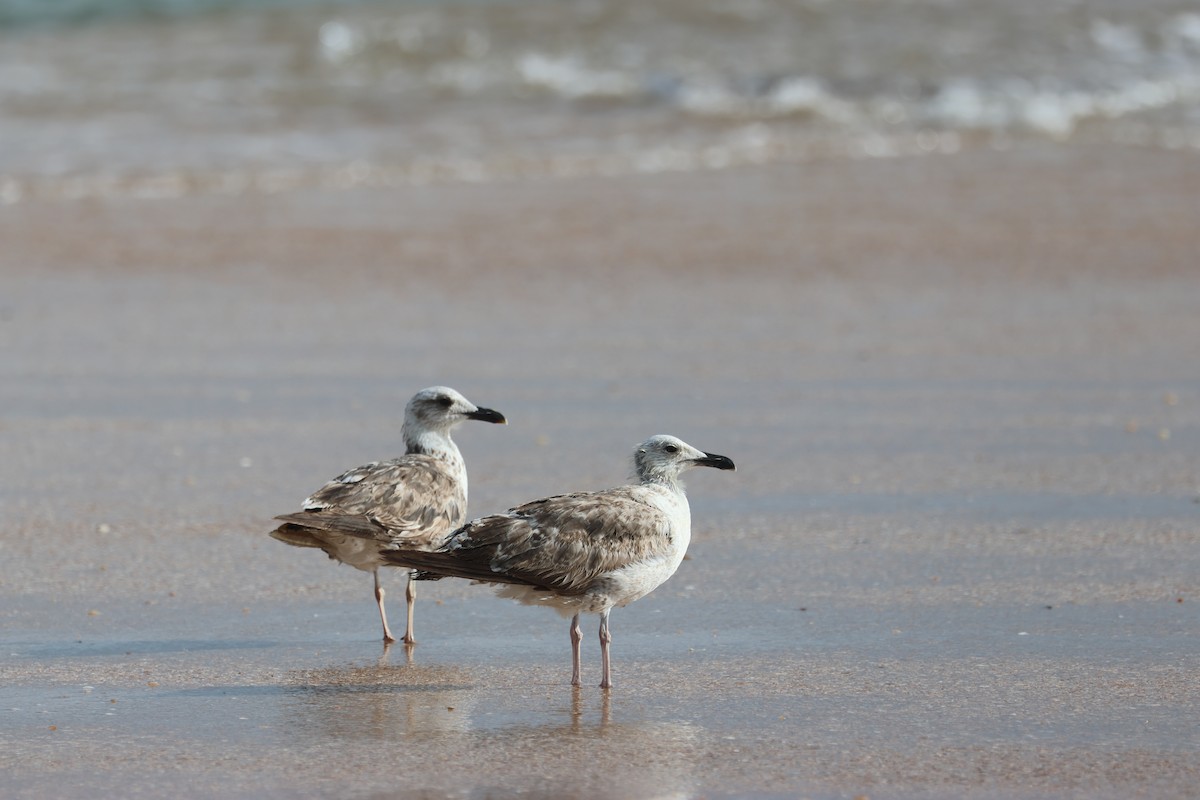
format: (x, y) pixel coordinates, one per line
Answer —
(661, 458)
(439, 408)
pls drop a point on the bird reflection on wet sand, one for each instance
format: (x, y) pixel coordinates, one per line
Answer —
(577, 708)
(385, 656)
(438, 718)
(380, 701)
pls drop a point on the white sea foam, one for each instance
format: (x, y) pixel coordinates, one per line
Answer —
(377, 95)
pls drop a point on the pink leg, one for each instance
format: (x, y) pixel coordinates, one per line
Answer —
(410, 594)
(605, 638)
(387, 634)
(576, 638)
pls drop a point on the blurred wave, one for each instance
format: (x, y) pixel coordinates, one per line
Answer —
(167, 97)
(51, 13)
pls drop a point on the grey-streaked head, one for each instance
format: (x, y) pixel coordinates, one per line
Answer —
(440, 408)
(661, 458)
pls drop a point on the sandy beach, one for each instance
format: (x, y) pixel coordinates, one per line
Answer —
(959, 557)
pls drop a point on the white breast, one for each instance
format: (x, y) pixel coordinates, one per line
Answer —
(635, 580)
(640, 578)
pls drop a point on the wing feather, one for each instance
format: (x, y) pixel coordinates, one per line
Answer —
(408, 496)
(301, 524)
(562, 544)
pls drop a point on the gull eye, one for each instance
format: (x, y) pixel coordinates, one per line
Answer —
(670, 448)
(445, 402)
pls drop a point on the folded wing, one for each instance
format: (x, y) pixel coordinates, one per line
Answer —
(389, 501)
(563, 544)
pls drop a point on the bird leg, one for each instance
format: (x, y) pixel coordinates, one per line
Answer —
(605, 638)
(410, 595)
(576, 638)
(387, 634)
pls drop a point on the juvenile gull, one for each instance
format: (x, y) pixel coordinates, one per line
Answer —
(579, 553)
(415, 499)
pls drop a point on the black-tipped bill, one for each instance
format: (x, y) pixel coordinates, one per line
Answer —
(714, 460)
(487, 415)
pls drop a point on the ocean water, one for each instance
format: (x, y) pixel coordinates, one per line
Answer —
(168, 97)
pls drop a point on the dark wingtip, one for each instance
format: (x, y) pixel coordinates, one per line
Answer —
(487, 415)
(716, 461)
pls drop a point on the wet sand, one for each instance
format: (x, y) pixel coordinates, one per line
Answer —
(959, 557)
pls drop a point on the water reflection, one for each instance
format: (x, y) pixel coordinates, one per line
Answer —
(379, 702)
(546, 739)
(385, 657)
(577, 708)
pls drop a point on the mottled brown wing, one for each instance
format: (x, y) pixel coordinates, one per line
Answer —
(299, 527)
(563, 544)
(410, 495)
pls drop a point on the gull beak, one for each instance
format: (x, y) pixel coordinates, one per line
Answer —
(716, 461)
(487, 415)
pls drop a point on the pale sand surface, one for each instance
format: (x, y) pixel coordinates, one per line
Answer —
(959, 557)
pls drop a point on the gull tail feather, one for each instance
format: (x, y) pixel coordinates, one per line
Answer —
(295, 536)
(436, 565)
(349, 524)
